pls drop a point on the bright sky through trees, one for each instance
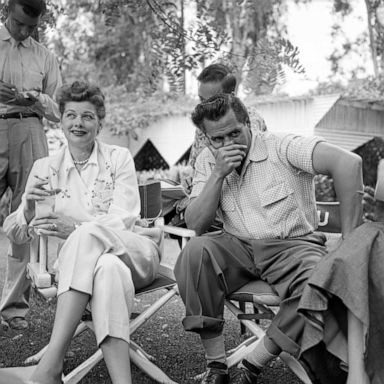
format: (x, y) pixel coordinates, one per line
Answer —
(309, 27)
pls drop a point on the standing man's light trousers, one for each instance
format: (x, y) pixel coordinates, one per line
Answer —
(22, 141)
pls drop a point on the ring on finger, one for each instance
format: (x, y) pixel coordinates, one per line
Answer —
(53, 227)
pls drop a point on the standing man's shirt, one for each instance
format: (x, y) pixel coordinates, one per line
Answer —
(28, 65)
(274, 196)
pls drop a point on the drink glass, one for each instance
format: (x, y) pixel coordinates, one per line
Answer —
(45, 207)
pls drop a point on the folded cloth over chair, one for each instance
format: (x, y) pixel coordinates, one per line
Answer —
(351, 277)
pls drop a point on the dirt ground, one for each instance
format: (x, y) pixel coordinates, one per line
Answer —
(177, 352)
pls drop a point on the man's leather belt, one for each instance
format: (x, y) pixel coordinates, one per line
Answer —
(18, 115)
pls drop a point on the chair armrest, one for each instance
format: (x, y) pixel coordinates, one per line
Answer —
(178, 231)
(167, 271)
(184, 233)
(37, 267)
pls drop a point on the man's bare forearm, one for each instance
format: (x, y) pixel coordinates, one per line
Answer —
(346, 170)
(348, 183)
(201, 212)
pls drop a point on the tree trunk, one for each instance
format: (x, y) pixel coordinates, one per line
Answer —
(183, 44)
(372, 39)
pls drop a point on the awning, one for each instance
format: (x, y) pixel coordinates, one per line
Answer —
(171, 136)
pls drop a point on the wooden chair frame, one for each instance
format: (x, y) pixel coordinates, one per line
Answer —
(265, 302)
(42, 281)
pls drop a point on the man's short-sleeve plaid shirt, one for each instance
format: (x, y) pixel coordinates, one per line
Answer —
(274, 195)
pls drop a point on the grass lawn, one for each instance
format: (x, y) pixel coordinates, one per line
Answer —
(178, 353)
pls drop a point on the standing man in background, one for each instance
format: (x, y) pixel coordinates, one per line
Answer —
(214, 79)
(29, 78)
(261, 184)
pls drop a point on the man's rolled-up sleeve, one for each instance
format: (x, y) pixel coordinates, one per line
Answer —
(203, 169)
(297, 151)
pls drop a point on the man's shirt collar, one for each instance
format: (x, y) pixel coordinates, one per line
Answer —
(258, 150)
(5, 36)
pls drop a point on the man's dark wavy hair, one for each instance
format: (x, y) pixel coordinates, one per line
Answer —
(216, 107)
(219, 73)
(32, 8)
(81, 91)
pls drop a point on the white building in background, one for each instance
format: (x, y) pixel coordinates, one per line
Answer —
(349, 123)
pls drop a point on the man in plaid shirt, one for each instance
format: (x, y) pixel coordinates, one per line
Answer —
(261, 185)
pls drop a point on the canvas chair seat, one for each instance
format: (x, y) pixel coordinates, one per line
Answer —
(257, 291)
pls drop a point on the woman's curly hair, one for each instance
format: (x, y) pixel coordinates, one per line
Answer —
(81, 91)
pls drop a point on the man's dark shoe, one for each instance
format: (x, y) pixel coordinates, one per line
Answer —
(246, 373)
(217, 373)
(18, 323)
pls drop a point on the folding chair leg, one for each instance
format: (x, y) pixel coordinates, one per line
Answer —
(80, 371)
(149, 368)
(295, 367)
(141, 362)
(242, 305)
(34, 359)
(256, 310)
(147, 314)
(252, 326)
(138, 356)
(238, 355)
(140, 351)
(245, 343)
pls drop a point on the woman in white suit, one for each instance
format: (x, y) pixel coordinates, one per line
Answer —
(102, 259)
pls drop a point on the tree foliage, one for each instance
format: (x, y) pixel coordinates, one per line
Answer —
(147, 44)
(370, 88)
(371, 40)
(128, 113)
(257, 47)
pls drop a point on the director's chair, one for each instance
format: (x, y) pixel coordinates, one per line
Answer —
(43, 282)
(264, 301)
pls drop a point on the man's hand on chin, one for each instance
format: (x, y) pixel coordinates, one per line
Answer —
(229, 158)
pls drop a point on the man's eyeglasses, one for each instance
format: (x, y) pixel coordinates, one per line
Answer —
(220, 141)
